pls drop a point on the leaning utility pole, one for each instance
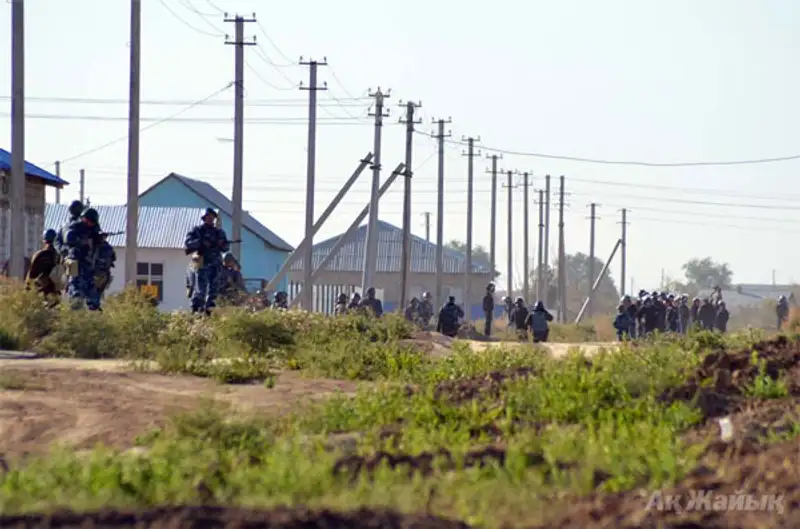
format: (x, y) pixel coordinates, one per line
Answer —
(238, 130)
(58, 189)
(470, 193)
(440, 136)
(371, 249)
(624, 245)
(493, 220)
(510, 268)
(525, 239)
(427, 215)
(590, 282)
(134, 93)
(540, 260)
(405, 263)
(562, 265)
(18, 180)
(312, 88)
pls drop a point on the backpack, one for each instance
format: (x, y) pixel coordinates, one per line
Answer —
(57, 276)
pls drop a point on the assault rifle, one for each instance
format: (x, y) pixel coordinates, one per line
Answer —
(110, 233)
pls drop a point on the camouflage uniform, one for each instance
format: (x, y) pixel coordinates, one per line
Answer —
(80, 239)
(206, 243)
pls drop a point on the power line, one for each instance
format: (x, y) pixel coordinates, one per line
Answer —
(694, 190)
(696, 202)
(635, 163)
(288, 102)
(264, 79)
(175, 119)
(712, 225)
(214, 6)
(188, 24)
(154, 124)
(272, 43)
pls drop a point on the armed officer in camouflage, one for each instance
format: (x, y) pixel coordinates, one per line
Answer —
(81, 238)
(44, 274)
(232, 287)
(206, 243)
(104, 260)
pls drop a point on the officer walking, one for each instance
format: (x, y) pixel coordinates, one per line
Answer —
(43, 273)
(81, 239)
(206, 243)
(488, 309)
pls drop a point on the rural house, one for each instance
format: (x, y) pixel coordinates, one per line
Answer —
(262, 251)
(37, 179)
(161, 260)
(343, 273)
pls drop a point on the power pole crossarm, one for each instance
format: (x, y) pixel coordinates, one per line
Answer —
(238, 128)
(471, 154)
(371, 250)
(409, 121)
(312, 88)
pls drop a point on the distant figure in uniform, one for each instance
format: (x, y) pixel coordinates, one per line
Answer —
(206, 243)
(782, 311)
(372, 303)
(341, 305)
(81, 238)
(104, 259)
(449, 317)
(426, 310)
(45, 271)
(488, 309)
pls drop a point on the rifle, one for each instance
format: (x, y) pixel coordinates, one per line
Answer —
(110, 233)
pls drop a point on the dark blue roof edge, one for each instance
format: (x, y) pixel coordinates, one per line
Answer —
(31, 169)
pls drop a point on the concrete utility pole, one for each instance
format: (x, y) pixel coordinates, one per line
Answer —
(547, 203)
(624, 245)
(18, 180)
(82, 185)
(590, 282)
(58, 189)
(540, 260)
(371, 249)
(427, 215)
(238, 129)
(406, 258)
(526, 288)
(562, 265)
(134, 94)
(312, 88)
(510, 242)
(440, 136)
(493, 221)
(470, 154)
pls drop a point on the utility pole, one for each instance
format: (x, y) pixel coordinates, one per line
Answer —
(510, 242)
(562, 268)
(406, 259)
(18, 179)
(592, 220)
(427, 215)
(238, 129)
(540, 261)
(58, 189)
(470, 154)
(308, 266)
(371, 249)
(493, 221)
(134, 94)
(525, 239)
(440, 136)
(624, 254)
(547, 202)
(82, 185)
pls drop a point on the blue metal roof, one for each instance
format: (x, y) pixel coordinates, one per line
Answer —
(31, 170)
(159, 227)
(223, 203)
(390, 250)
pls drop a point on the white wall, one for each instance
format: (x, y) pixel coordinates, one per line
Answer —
(175, 263)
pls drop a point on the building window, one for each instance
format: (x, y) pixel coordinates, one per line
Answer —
(150, 279)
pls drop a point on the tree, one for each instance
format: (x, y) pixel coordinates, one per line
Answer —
(480, 255)
(705, 273)
(606, 297)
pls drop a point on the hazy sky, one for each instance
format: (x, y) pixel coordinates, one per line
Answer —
(630, 80)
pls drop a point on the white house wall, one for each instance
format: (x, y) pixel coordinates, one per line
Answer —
(34, 216)
(174, 261)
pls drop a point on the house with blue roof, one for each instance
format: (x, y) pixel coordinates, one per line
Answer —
(36, 182)
(161, 260)
(262, 251)
(344, 271)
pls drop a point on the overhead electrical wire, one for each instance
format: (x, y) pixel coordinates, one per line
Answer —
(295, 102)
(187, 23)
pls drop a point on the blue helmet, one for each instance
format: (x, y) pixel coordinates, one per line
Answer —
(49, 235)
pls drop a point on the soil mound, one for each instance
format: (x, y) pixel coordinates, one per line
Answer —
(429, 342)
(469, 332)
(229, 518)
(720, 383)
(772, 474)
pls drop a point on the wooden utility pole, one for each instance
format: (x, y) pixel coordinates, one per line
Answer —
(510, 242)
(591, 278)
(470, 195)
(526, 291)
(493, 217)
(405, 263)
(562, 265)
(624, 248)
(440, 136)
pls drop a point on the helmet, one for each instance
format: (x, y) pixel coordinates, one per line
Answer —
(228, 258)
(539, 306)
(490, 287)
(211, 212)
(342, 298)
(426, 295)
(782, 298)
(371, 291)
(520, 300)
(91, 215)
(507, 299)
(75, 208)
(49, 235)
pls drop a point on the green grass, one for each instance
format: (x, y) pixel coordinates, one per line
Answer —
(570, 427)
